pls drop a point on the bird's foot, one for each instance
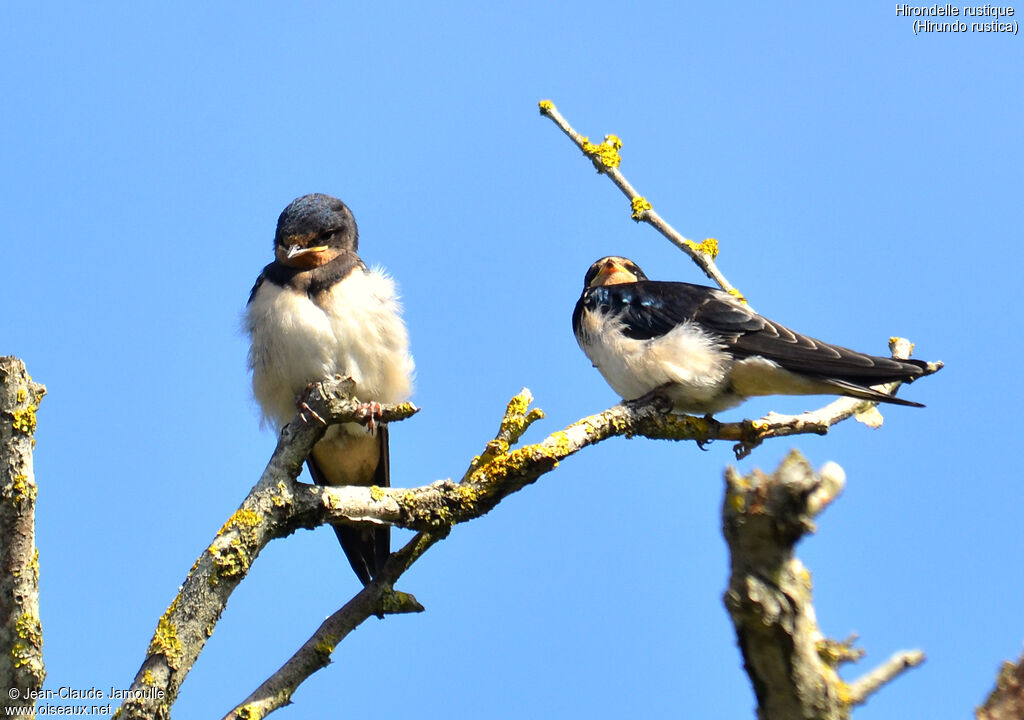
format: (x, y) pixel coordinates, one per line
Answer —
(304, 408)
(658, 397)
(371, 411)
(713, 426)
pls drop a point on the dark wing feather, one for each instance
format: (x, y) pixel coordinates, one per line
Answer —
(806, 355)
(650, 309)
(366, 548)
(255, 288)
(382, 478)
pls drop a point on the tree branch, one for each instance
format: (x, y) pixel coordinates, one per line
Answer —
(791, 664)
(264, 515)
(278, 505)
(606, 159)
(315, 653)
(872, 682)
(499, 471)
(21, 632)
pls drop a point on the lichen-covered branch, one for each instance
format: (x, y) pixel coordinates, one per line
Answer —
(278, 505)
(496, 473)
(21, 632)
(791, 664)
(502, 469)
(606, 159)
(315, 653)
(264, 515)
(1006, 701)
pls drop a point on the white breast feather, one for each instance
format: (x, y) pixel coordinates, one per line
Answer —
(686, 358)
(359, 332)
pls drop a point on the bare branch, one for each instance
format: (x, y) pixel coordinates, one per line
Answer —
(315, 653)
(790, 663)
(443, 503)
(264, 515)
(606, 159)
(278, 505)
(872, 682)
(493, 475)
(21, 632)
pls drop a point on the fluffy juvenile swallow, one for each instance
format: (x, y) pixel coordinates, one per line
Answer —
(318, 311)
(710, 352)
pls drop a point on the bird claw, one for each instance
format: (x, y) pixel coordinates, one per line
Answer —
(304, 408)
(703, 443)
(372, 411)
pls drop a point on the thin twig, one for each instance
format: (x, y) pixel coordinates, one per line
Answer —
(872, 682)
(606, 159)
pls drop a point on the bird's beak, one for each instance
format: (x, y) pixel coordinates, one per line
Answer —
(295, 251)
(612, 273)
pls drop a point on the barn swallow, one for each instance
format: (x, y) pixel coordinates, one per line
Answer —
(315, 312)
(707, 351)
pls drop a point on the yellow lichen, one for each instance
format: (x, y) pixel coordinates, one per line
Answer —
(242, 520)
(148, 679)
(326, 647)
(736, 502)
(376, 494)
(545, 106)
(230, 561)
(24, 420)
(21, 655)
(709, 247)
(165, 640)
(562, 443)
(29, 629)
(640, 206)
(843, 690)
(835, 652)
(466, 497)
(738, 295)
(605, 155)
(250, 711)
(22, 490)
(517, 405)
(397, 601)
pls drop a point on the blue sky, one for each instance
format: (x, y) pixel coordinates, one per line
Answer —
(862, 182)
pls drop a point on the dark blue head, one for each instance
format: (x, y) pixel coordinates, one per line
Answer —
(612, 270)
(313, 230)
